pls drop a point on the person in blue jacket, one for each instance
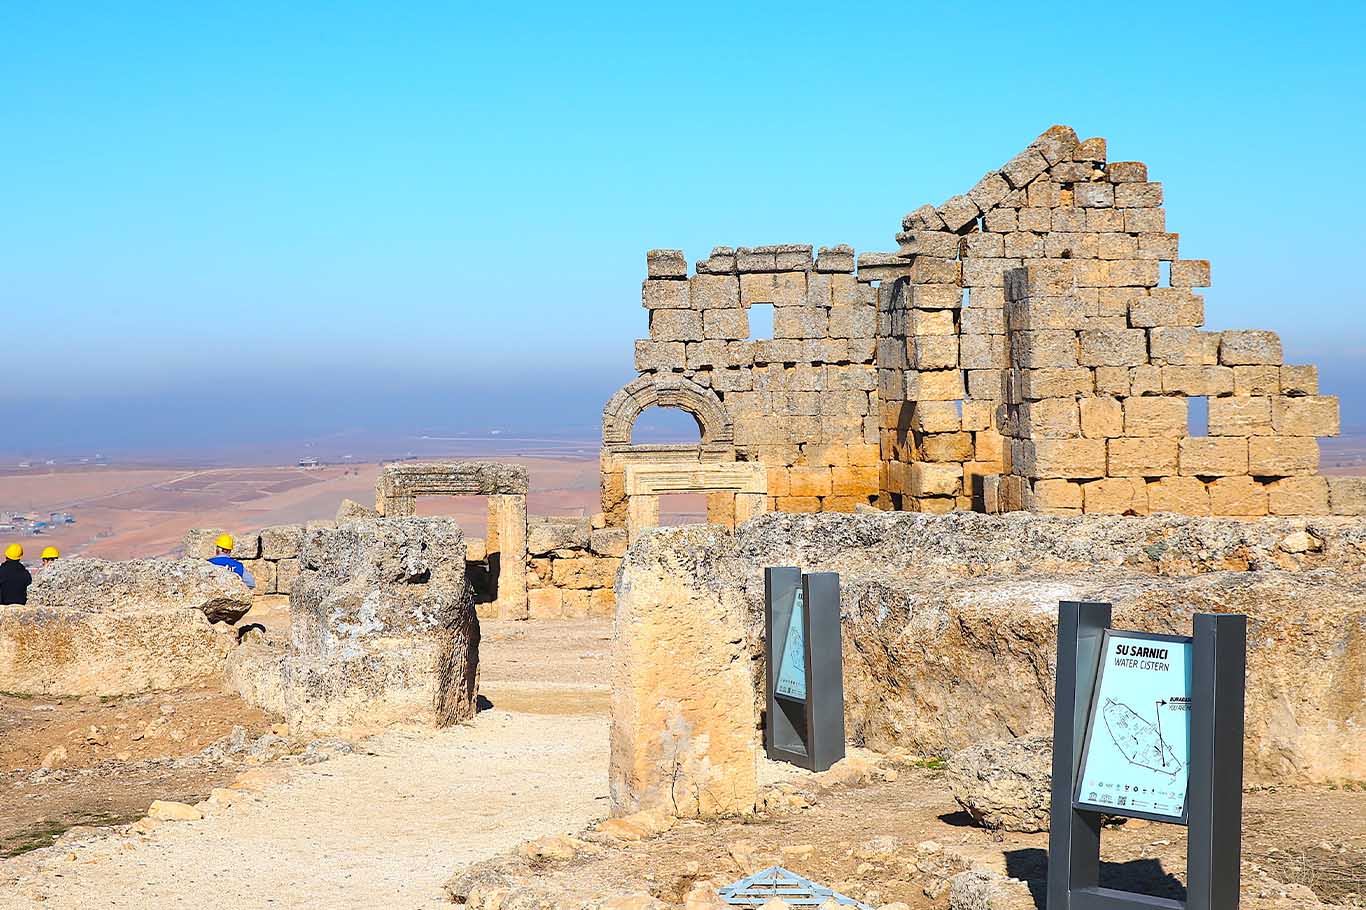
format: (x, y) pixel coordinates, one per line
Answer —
(225, 543)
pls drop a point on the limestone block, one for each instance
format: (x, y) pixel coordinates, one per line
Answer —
(1167, 307)
(1240, 496)
(936, 417)
(755, 260)
(246, 546)
(1094, 195)
(838, 258)
(1190, 273)
(936, 296)
(1196, 381)
(1056, 494)
(1112, 245)
(1281, 456)
(1069, 240)
(853, 322)
(1127, 172)
(286, 571)
(1047, 348)
(1056, 143)
(798, 504)
(1138, 195)
(1299, 380)
(1347, 495)
(1065, 458)
(281, 541)
(666, 264)
(539, 571)
(989, 191)
(198, 543)
(1117, 381)
(1145, 220)
(545, 603)
(1052, 418)
(923, 218)
(1257, 380)
(1311, 415)
(676, 325)
(1113, 348)
(608, 542)
(927, 270)
(263, 571)
(1145, 456)
(931, 322)
(941, 447)
(854, 480)
(987, 385)
(808, 481)
(732, 380)
(1044, 193)
(1104, 221)
(944, 244)
(1217, 456)
(1184, 495)
(602, 603)
(727, 325)
(1115, 496)
(1240, 415)
(1092, 150)
(1001, 220)
(1034, 218)
(799, 322)
(1024, 167)
(1101, 418)
(1155, 416)
(548, 535)
(584, 572)
(934, 479)
(982, 352)
(720, 262)
(662, 356)
(1022, 245)
(940, 385)
(957, 212)
(383, 627)
(1249, 347)
(1298, 496)
(932, 352)
(987, 272)
(578, 603)
(983, 245)
(671, 295)
(1056, 382)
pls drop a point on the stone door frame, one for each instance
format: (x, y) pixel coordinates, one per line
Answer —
(400, 483)
(736, 490)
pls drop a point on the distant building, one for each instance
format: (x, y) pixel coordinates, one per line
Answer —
(308, 462)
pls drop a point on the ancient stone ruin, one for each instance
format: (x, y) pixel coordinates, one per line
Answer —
(1034, 344)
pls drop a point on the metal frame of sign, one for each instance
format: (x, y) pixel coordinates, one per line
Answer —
(1214, 798)
(1077, 801)
(818, 741)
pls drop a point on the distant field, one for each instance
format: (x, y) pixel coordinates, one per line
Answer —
(128, 513)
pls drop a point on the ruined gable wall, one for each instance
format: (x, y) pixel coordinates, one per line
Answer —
(1094, 357)
(802, 402)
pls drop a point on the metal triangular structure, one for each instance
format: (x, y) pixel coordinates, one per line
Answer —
(775, 881)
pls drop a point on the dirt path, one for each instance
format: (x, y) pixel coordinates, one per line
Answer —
(383, 828)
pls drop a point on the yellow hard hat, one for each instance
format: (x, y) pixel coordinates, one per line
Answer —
(50, 553)
(14, 551)
(224, 541)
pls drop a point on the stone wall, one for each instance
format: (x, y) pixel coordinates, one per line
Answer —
(949, 622)
(572, 567)
(270, 554)
(904, 381)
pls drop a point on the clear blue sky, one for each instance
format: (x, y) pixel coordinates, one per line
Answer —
(434, 209)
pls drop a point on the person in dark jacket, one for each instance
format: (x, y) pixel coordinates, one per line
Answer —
(14, 577)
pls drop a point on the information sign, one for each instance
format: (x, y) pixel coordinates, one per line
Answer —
(792, 669)
(1136, 757)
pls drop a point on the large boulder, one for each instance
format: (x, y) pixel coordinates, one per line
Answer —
(383, 629)
(95, 627)
(1005, 785)
(950, 620)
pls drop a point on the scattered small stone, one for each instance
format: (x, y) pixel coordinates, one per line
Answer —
(54, 758)
(168, 811)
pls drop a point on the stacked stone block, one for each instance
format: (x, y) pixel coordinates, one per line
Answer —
(271, 554)
(802, 402)
(572, 567)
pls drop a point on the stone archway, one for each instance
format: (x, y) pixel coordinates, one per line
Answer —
(619, 416)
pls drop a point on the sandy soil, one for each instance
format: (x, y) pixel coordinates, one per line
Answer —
(382, 827)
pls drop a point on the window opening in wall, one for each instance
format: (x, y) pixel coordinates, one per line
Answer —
(1197, 416)
(760, 321)
(1164, 274)
(666, 426)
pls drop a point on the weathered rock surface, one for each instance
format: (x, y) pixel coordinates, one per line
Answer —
(350, 510)
(94, 627)
(950, 621)
(981, 890)
(683, 710)
(383, 629)
(1004, 785)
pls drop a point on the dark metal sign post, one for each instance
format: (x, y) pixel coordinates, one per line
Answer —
(804, 673)
(1214, 798)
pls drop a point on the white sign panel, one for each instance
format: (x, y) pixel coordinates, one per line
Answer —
(1137, 753)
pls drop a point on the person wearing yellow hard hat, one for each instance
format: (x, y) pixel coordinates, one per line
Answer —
(14, 577)
(50, 555)
(223, 545)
